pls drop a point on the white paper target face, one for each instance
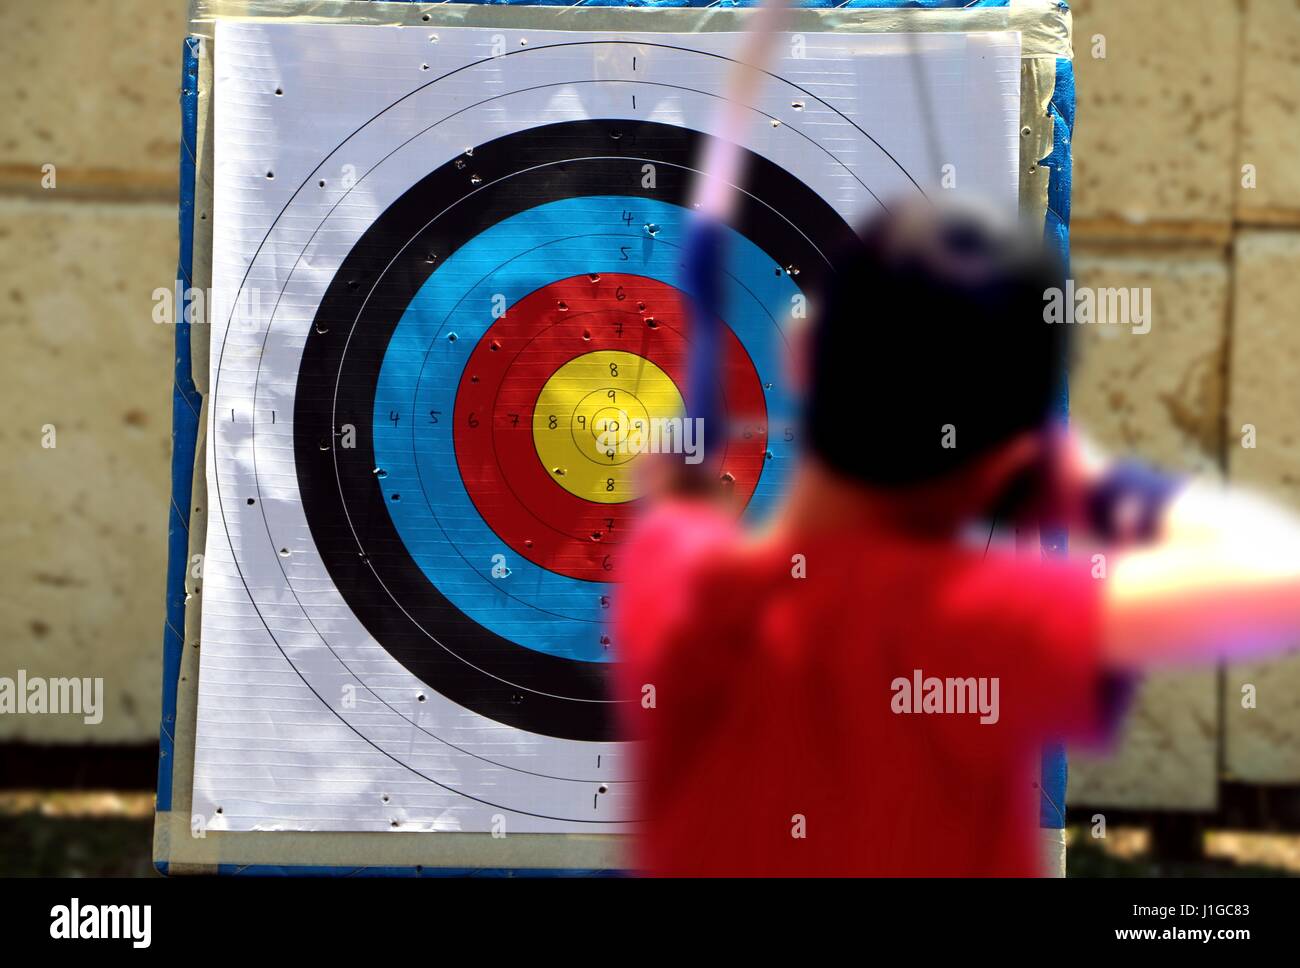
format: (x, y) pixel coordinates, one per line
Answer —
(443, 263)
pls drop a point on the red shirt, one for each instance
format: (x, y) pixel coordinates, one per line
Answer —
(770, 709)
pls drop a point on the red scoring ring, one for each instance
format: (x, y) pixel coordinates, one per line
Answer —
(518, 497)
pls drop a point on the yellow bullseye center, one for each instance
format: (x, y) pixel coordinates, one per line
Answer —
(594, 417)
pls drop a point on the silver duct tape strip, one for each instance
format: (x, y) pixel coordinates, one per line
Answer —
(1044, 25)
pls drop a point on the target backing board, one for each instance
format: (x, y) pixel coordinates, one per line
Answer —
(442, 261)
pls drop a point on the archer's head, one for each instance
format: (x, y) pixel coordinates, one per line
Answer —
(929, 360)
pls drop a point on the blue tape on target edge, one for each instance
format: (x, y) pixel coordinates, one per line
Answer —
(1054, 774)
(186, 403)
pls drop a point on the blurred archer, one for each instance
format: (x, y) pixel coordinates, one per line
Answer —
(806, 680)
